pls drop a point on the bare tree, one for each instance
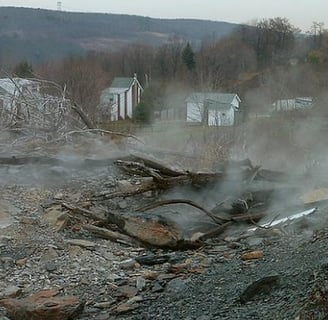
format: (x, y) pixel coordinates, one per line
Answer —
(220, 64)
(84, 79)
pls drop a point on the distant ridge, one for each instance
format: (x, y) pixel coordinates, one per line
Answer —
(39, 35)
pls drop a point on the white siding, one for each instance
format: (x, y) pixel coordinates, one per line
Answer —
(213, 118)
(122, 112)
(195, 112)
(129, 105)
(235, 102)
(221, 118)
(114, 112)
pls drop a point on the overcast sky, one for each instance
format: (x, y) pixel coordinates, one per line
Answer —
(301, 13)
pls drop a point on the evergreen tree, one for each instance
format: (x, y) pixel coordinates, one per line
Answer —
(145, 109)
(23, 70)
(188, 57)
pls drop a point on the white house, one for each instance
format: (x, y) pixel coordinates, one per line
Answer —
(212, 109)
(121, 98)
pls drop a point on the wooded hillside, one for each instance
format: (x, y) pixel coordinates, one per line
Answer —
(41, 35)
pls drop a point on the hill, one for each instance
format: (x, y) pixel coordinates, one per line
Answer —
(39, 35)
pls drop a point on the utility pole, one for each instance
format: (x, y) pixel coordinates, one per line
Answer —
(59, 5)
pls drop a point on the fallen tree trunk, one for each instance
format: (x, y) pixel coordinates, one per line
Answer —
(83, 116)
(160, 183)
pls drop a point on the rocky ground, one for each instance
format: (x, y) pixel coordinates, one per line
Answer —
(275, 273)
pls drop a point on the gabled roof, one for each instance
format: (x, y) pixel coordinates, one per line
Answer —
(223, 98)
(122, 83)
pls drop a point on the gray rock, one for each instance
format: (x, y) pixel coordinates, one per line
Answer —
(110, 182)
(124, 185)
(258, 287)
(105, 304)
(7, 263)
(141, 283)
(128, 264)
(157, 288)
(178, 288)
(50, 266)
(122, 204)
(11, 292)
(254, 241)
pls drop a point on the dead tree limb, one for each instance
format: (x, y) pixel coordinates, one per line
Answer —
(137, 167)
(83, 116)
(110, 235)
(160, 183)
(254, 174)
(214, 233)
(147, 186)
(249, 217)
(84, 212)
(164, 170)
(157, 204)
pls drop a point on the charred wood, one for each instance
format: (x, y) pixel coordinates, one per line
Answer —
(110, 235)
(84, 212)
(163, 169)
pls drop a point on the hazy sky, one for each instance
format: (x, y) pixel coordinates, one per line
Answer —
(301, 13)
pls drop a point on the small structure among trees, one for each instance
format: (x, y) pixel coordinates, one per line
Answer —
(298, 103)
(121, 99)
(212, 109)
(206, 108)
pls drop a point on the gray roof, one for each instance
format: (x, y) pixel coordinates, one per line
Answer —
(223, 98)
(120, 82)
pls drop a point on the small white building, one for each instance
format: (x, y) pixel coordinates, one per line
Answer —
(212, 109)
(298, 103)
(121, 98)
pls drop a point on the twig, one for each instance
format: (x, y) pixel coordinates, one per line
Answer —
(86, 213)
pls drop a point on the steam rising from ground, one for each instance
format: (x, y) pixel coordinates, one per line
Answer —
(292, 142)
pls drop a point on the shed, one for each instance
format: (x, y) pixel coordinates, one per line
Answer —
(212, 109)
(122, 97)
